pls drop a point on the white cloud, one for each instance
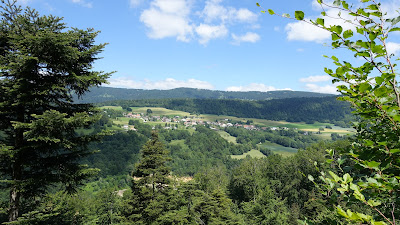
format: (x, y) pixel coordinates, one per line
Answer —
(207, 32)
(315, 79)
(393, 48)
(254, 87)
(215, 11)
(248, 37)
(168, 18)
(302, 31)
(329, 89)
(135, 3)
(175, 18)
(83, 3)
(166, 84)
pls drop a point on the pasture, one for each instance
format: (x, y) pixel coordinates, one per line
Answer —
(253, 153)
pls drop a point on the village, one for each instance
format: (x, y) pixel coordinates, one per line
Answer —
(172, 122)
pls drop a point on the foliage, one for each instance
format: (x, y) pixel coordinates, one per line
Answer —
(372, 89)
(42, 63)
(103, 94)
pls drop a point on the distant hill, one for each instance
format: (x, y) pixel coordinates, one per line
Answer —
(103, 94)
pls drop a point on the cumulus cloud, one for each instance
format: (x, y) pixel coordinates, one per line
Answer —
(166, 84)
(329, 89)
(254, 87)
(393, 48)
(315, 79)
(168, 18)
(302, 31)
(248, 37)
(83, 3)
(207, 32)
(176, 19)
(214, 11)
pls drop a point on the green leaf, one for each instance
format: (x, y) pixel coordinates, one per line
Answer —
(372, 36)
(299, 15)
(286, 15)
(363, 87)
(374, 203)
(347, 178)
(336, 3)
(337, 29)
(341, 212)
(394, 151)
(364, 54)
(258, 4)
(335, 177)
(394, 29)
(335, 37)
(347, 34)
(323, 13)
(373, 7)
(365, 1)
(345, 5)
(373, 165)
(396, 20)
(320, 21)
(271, 12)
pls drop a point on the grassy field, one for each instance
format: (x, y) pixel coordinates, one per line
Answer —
(253, 153)
(227, 136)
(160, 111)
(279, 149)
(112, 107)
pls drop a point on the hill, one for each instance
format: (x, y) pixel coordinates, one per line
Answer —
(103, 94)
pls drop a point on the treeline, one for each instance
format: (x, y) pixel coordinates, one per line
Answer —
(102, 94)
(309, 110)
(288, 138)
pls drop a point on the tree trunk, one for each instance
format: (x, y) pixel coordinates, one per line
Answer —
(14, 204)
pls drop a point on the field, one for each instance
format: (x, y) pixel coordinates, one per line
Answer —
(160, 111)
(253, 153)
(279, 149)
(227, 136)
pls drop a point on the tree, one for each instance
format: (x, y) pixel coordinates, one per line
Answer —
(149, 111)
(42, 63)
(150, 186)
(371, 180)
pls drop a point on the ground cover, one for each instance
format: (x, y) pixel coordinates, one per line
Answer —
(227, 136)
(278, 149)
(253, 153)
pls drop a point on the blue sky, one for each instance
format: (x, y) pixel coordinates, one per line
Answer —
(207, 44)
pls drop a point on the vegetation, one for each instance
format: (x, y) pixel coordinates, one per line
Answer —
(42, 63)
(105, 94)
(365, 189)
(309, 110)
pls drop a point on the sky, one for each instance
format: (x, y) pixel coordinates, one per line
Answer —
(225, 45)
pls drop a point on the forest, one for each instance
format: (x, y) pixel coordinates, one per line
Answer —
(104, 94)
(62, 163)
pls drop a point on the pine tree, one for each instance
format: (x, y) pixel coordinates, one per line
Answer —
(42, 63)
(150, 186)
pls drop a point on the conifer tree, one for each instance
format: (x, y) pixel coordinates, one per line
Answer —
(42, 63)
(150, 186)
